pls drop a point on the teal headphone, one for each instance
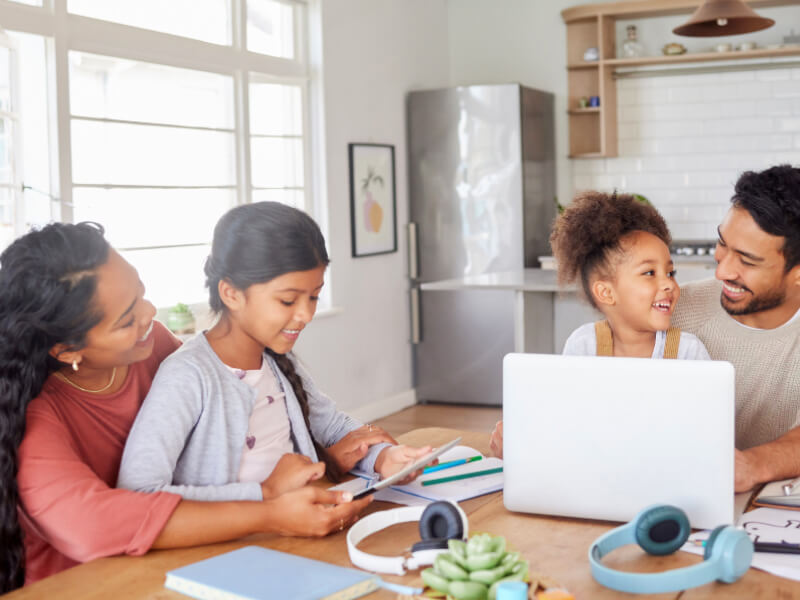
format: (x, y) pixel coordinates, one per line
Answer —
(661, 530)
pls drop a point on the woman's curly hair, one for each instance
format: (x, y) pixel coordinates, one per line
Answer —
(591, 229)
(772, 197)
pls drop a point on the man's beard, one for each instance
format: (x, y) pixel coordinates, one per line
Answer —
(769, 300)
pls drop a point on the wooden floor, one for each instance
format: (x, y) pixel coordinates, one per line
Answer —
(469, 418)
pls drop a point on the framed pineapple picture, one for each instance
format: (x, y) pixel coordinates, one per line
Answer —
(373, 213)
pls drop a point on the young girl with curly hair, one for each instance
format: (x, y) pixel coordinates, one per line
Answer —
(617, 248)
(234, 415)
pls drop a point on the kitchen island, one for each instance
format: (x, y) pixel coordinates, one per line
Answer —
(544, 312)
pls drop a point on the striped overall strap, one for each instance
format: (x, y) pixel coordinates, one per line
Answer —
(605, 341)
(672, 342)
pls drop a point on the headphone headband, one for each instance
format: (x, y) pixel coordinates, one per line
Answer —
(728, 554)
(398, 565)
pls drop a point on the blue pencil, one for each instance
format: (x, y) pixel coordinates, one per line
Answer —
(450, 463)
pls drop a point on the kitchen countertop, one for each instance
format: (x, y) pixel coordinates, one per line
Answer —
(542, 280)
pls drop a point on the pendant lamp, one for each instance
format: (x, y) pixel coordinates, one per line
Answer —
(723, 17)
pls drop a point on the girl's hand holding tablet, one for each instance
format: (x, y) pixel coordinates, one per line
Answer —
(354, 446)
(291, 472)
(393, 459)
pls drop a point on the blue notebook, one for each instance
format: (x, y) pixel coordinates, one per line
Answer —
(255, 573)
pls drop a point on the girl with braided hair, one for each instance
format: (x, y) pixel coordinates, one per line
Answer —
(78, 351)
(233, 415)
(617, 249)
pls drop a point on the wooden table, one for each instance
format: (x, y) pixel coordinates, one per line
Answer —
(555, 547)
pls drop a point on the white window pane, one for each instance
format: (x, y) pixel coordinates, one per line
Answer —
(6, 217)
(276, 109)
(118, 153)
(295, 198)
(34, 117)
(115, 88)
(30, 2)
(277, 162)
(171, 275)
(6, 150)
(270, 28)
(152, 217)
(207, 20)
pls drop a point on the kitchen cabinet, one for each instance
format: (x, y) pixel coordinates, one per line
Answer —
(593, 130)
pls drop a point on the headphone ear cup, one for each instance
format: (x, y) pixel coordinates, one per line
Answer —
(734, 550)
(661, 530)
(441, 520)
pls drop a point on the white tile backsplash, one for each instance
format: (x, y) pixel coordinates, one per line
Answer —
(685, 139)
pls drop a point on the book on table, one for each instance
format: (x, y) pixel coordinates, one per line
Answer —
(255, 573)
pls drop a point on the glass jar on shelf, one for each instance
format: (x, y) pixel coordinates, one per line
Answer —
(631, 47)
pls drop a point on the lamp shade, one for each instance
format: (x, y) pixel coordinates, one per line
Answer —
(723, 17)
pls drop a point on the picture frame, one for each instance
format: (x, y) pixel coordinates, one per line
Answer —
(373, 201)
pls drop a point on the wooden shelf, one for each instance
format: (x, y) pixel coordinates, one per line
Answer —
(702, 57)
(582, 111)
(593, 131)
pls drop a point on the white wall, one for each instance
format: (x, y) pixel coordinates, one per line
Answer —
(525, 41)
(685, 139)
(374, 52)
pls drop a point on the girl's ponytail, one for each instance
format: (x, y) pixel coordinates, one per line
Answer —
(46, 290)
(332, 470)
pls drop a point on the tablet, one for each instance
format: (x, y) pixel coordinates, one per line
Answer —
(422, 462)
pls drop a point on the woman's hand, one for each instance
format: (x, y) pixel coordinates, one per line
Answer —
(355, 445)
(313, 512)
(291, 472)
(496, 441)
(393, 459)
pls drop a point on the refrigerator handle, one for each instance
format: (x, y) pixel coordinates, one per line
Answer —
(416, 332)
(413, 267)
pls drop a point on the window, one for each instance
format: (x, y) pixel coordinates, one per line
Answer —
(154, 145)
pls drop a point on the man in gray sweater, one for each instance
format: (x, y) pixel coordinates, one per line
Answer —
(750, 316)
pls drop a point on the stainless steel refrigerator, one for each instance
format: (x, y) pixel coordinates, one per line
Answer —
(481, 189)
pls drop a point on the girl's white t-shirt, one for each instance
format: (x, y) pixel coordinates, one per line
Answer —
(583, 342)
(268, 432)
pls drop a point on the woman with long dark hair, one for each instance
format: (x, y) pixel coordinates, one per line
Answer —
(78, 351)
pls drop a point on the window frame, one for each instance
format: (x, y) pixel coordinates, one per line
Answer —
(65, 32)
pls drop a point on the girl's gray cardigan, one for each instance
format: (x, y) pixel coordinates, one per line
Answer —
(189, 434)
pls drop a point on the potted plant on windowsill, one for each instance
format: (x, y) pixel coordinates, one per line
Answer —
(180, 319)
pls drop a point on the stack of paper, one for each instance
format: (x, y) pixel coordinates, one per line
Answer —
(414, 493)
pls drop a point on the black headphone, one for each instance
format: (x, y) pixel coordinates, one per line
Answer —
(438, 522)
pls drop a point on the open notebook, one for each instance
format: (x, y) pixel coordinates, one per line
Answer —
(414, 493)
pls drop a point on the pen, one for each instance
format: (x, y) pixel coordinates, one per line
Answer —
(462, 476)
(774, 547)
(788, 488)
(450, 463)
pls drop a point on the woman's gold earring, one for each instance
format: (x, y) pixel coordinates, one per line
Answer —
(75, 365)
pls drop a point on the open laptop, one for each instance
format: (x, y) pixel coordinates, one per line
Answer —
(602, 438)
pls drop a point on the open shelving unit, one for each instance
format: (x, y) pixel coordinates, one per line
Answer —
(593, 130)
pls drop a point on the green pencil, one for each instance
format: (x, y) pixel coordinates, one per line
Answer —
(462, 476)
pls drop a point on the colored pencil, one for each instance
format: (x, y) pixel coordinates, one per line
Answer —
(450, 463)
(462, 476)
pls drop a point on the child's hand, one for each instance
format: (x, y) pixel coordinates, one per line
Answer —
(393, 459)
(291, 472)
(355, 445)
(496, 441)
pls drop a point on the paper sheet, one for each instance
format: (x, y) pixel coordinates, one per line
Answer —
(765, 525)
(415, 494)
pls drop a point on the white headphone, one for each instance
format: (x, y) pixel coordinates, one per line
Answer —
(438, 522)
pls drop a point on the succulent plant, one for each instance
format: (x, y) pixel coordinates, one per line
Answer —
(472, 570)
